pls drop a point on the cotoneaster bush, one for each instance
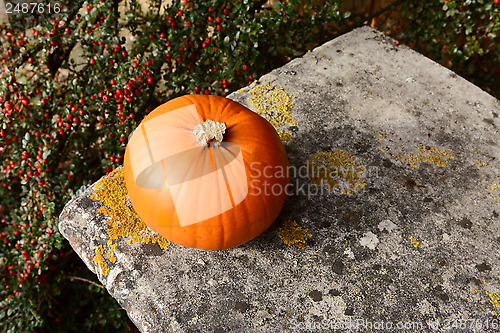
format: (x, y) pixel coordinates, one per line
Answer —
(73, 85)
(462, 35)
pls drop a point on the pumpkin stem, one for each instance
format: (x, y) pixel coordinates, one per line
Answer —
(209, 131)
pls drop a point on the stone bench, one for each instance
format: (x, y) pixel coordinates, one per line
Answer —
(392, 223)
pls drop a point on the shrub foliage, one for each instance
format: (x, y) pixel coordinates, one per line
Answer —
(462, 35)
(76, 78)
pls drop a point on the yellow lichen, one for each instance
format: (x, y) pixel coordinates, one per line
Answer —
(293, 235)
(275, 105)
(338, 170)
(428, 154)
(494, 188)
(481, 162)
(123, 220)
(111, 254)
(495, 300)
(414, 241)
(99, 259)
(285, 136)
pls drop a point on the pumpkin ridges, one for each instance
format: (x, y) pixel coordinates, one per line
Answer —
(211, 112)
(251, 216)
(234, 121)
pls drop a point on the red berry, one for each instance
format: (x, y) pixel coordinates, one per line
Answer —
(218, 19)
(89, 7)
(81, 101)
(150, 80)
(105, 98)
(113, 82)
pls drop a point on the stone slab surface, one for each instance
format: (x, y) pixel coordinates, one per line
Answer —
(404, 237)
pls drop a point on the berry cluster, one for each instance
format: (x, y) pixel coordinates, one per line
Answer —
(73, 86)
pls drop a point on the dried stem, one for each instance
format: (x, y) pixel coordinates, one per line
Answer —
(85, 280)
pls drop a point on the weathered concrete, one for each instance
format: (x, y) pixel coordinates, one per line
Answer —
(410, 236)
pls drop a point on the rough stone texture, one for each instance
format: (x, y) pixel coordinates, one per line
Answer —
(419, 243)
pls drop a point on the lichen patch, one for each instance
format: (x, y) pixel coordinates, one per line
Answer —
(369, 240)
(424, 154)
(495, 192)
(495, 301)
(99, 259)
(293, 235)
(123, 221)
(275, 105)
(338, 170)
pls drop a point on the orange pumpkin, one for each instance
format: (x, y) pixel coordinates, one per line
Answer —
(206, 172)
